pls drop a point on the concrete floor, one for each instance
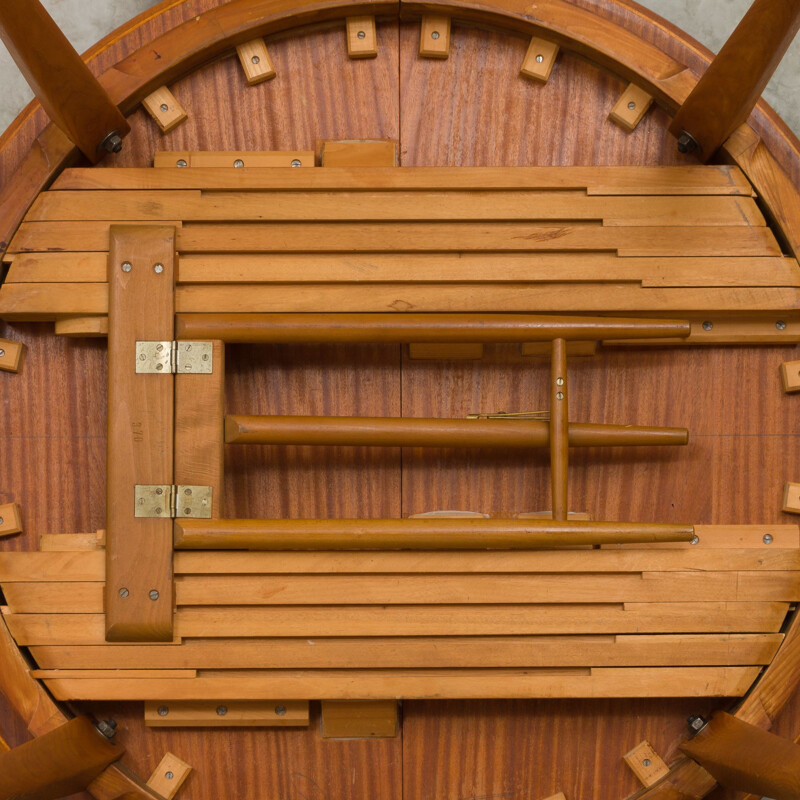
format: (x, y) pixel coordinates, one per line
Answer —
(709, 21)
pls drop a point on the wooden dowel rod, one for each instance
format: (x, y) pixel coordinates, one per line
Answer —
(415, 534)
(60, 763)
(69, 93)
(299, 328)
(733, 83)
(559, 430)
(418, 432)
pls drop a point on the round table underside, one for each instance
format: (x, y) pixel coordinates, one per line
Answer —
(472, 109)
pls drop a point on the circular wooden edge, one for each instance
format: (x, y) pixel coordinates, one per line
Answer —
(212, 33)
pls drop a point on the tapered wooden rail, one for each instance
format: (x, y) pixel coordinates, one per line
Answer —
(411, 432)
(64, 761)
(415, 534)
(730, 88)
(69, 93)
(374, 328)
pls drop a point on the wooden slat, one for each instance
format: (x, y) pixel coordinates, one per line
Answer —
(726, 536)
(427, 268)
(445, 651)
(138, 596)
(491, 620)
(214, 161)
(52, 566)
(64, 542)
(115, 674)
(598, 180)
(380, 684)
(54, 598)
(237, 714)
(410, 237)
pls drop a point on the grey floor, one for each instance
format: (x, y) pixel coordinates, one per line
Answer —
(709, 21)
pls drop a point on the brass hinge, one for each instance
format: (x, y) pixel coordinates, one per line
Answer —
(174, 358)
(170, 502)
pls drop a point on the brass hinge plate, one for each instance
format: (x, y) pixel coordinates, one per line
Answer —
(174, 358)
(169, 502)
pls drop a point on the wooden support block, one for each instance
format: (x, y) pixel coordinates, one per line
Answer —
(10, 519)
(544, 349)
(255, 61)
(358, 153)
(434, 37)
(559, 796)
(10, 355)
(362, 40)
(71, 542)
(791, 498)
(169, 776)
(164, 109)
(234, 158)
(540, 59)
(646, 764)
(790, 375)
(226, 714)
(441, 351)
(358, 719)
(631, 107)
(82, 327)
(141, 276)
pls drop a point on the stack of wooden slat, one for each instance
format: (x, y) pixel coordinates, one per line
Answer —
(640, 620)
(678, 240)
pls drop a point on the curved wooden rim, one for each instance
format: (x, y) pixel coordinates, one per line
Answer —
(193, 43)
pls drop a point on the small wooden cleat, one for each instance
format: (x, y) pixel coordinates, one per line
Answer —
(646, 764)
(434, 38)
(631, 107)
(358, 153)
(169, 776)
(791, 498)
(790, 375)
(226, 714)
(362, 40)
(358, 719)
(255, 61)
(539, 60)
(10, 355)
(164, 109)
(10, 519)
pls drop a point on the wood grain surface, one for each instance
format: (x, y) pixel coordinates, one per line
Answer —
(729, 398)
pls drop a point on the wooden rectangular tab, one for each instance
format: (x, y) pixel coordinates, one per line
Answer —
(434, 37)
(791, 498)
(790, 376)
(10, 355)
(141, 277)
(359, 719)
(646, 764)
(92, 327)
(540, 59)
(226, 714)
(358, 153)
(255, 61)
(631, 107)
(164, 108)
(10, 519)
(362, 40)
(213, 160)
(169, 776)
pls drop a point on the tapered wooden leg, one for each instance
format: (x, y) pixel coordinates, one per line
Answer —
(559, 429)
(733, 83)
(67, 90)
(57, 764)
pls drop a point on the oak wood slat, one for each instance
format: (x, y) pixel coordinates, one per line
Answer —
(380, 684)
(138, 594)
(438, 620)
(614, 180)
(655, 650)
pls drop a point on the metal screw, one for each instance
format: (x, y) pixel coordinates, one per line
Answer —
(158, 510)
(695, 539)
(153, 594)
(159, 491)
(238, 163)
(123, 592)
(767, 538)
(696, 724)
(112, 143)
(221, 711)
(164, 107)
(646, 762)
(707, 325)
(435, 35)
(187, 491)
(256, 60)
(631, 105)
(169, 776)
(539, 59)
(142, 357)
(108, 728)
(280, 710)
(559, 395)
(559, 381)
(362, 35)
(181, 162)
(1, 520)
(205, 357)
(780, 325)
(2, 352)
(158, 269)
(127, 266)
(687, 143)
(297, 162)
(163, 711)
